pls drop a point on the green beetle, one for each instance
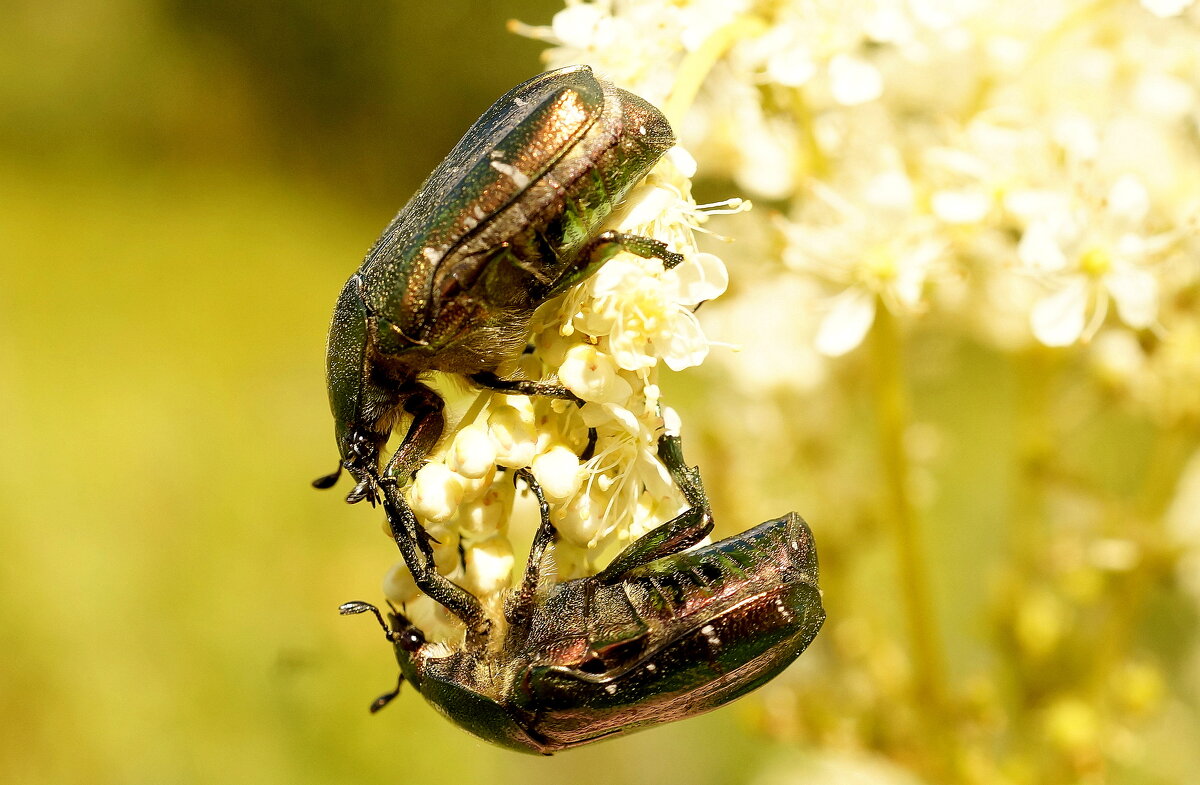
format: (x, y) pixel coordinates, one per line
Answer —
(661, 634)
(511, 218)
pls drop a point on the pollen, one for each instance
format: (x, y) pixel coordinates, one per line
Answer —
(1096, 262)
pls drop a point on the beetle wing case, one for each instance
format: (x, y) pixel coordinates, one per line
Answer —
(512, 145)
(720, 621)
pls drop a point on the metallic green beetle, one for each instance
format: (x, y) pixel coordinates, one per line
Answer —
(660, 634)
(509, 219)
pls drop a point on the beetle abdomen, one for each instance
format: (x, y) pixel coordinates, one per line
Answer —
(718, 622)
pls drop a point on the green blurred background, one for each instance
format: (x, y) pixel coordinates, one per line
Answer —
(184, 187)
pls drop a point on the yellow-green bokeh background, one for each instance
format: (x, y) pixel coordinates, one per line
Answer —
(183, 190)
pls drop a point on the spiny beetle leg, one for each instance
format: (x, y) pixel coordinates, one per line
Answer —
(606, 246)
(687, 478)
(426, 428)
(521, 604)
(490, 381)
(413, 542)
(681, 532)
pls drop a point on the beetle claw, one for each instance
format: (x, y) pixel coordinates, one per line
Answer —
(364, 490)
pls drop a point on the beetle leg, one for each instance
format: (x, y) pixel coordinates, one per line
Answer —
(490, 381)
(683, 531)
(413, 542)
(521, 604)
(589, 451)
(606, 246)
(670, 452)
(426, 428)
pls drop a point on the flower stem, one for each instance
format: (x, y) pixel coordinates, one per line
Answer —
(892, 412)
(697, 63)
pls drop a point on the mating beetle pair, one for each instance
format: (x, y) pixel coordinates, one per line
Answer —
(510, 219)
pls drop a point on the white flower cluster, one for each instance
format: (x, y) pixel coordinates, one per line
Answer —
(603, 341)
(1010, 179)
(1028, 166)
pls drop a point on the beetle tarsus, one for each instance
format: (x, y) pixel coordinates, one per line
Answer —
(364, 490)
(490, 381)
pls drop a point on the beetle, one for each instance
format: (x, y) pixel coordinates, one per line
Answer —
(511, 218)
(660, 634)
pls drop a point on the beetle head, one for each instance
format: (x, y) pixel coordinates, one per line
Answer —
(408, 640)
(362, 407)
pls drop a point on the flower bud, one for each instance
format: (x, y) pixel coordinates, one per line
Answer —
(436, 493)
(557, 471)
(515, 440)
(399, 586)
(473, 454)
(489, 566)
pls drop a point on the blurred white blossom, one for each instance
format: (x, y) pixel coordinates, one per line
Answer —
(1015, 182)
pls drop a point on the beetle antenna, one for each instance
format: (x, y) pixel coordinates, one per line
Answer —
(358, 606)
(328, 480)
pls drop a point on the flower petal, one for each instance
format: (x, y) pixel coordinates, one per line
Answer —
(844, 327)
(682, 344)
(1058, 320)
(700, 278)
(853, 80)
(1136, 294)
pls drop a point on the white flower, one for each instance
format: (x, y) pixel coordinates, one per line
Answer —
(473, 454)
(646, 312)
(1165, 8)
(488, 565)
(436, 493)
(558, 472)
(634, 44)
(772, 324)
(884, 253)
(487, 515)
(399, 586)
(513, 434)
(853, 80)
(593, 375)
(1088, 256)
